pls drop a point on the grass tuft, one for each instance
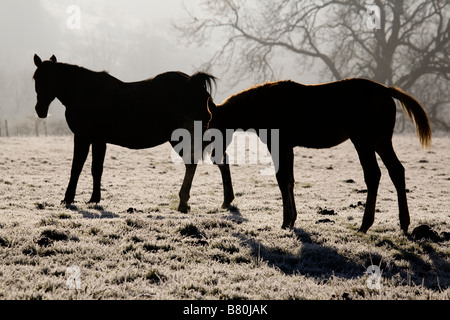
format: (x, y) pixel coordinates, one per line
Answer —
(154, 276)
(54, 234)
(190, 230)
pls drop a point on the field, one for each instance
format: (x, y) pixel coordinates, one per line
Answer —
(135, 245)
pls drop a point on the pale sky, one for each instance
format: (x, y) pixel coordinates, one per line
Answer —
(41, 26)
(132, 39)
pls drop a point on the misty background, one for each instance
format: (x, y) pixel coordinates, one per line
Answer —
(132, 40)
(243, 43)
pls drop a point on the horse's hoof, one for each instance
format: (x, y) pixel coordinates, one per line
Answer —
(67, 203)
(404, 228)
(226, 205)
(287, 227)
(184, 208)
(362, 230)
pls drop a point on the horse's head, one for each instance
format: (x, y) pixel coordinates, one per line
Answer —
(214, 113)
(45, 84)
(201, 86)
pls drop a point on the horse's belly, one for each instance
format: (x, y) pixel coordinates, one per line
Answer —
(135, 142)
(323, 144)
(128, 136)
(322, 138)
(135, 138)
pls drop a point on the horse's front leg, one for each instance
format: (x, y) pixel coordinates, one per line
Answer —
(228, 193)
(80, 153)
(285, 178)
(98, 158)
(186, 187)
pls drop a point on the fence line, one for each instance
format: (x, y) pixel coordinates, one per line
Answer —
(39, 126)
(6, 127)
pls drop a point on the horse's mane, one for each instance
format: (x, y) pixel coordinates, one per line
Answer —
(254, 92)
(82, 70)
(78, 70)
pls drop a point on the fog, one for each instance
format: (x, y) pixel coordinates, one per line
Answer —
(137, 39)
(132, 40)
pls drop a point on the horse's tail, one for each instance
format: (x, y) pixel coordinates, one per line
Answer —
(204, 79)
(416, 113)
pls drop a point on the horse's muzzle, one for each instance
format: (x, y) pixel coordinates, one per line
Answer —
(41, 111)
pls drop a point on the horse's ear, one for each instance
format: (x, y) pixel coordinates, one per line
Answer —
(37, 60)
(53, 58)
(211, 105)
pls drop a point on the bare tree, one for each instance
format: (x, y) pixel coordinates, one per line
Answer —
(395, 42)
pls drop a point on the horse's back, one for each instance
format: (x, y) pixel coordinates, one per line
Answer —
(353, 108)
(325, 115)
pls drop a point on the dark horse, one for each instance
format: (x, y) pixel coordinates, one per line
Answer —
(323, 116)
(101, 109)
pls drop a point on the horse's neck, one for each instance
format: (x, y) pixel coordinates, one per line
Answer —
(237, 114)
(68, 81)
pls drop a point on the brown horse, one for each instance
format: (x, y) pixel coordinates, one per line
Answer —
(323, 116)
(101, 109)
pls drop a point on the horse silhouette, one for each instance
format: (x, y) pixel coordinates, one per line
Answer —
(323, 116)
(101, 109)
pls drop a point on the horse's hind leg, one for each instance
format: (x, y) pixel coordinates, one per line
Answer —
(372, 175)
(80, 153)
(186, 187)
(228, 193)
(397, 174)
(98, 158)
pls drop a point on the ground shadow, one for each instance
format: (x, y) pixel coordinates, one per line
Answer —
(235, 215)
(428, 268)
(323, 262)
(96, 212)
(314, 260)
